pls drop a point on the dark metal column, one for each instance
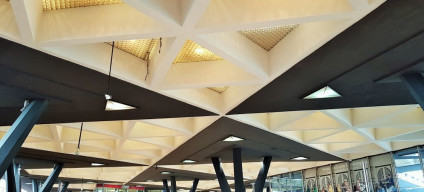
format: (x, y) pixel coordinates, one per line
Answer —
(48, 184)
(173, 184)
(15, 137)
(223, 183)
(193, 188)
(415, 84)
(34, 185)
(165, 185)
(64, 186)
(268, 189)
(17, 171)
(238, 170)
(11, 179)
(260, 181)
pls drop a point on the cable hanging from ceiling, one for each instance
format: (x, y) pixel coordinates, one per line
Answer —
(107, 95)
(79, 140)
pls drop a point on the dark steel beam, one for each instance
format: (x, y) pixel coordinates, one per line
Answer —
(15, 137)
(165, 185)
(34, 185)
(48, 184)
(415, 84)
(65, 185)
(260, 181)
(173, 184)
(238, 170)
(194, 187)
(220, 175)
(268, 189)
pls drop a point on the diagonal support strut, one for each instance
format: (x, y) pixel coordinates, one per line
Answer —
(48, 184)
(223, 183)
(15, 137)
(165, 185)
(194, 187)
(260, 180)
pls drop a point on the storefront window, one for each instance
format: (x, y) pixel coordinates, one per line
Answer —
(275, 184)
(381, 167)
(285, 182)
(360, 175)
(296, 181)
(409, 171)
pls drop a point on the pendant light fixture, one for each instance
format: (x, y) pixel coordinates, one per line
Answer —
(113, 105)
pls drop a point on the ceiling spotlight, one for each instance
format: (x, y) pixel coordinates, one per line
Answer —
(150, 180)
(189, 161)
(199, 50)
(91, 182)
(165, 173)
(97, 164)
(114, 106)
(233, 139)
(28, 183)
(325, 92)
(300, 158)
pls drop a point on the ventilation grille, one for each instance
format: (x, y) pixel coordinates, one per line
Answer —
(192, 52)
(49, 5)
(268, 37)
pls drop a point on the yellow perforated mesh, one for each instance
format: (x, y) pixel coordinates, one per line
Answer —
(66, 4)
(268, 37)
(218, 89)
(139, 47)
(192, 52)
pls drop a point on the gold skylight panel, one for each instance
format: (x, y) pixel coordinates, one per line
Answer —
(268, 37)
(192, 52)
(49, 5)
(140, 47)
(218, 89)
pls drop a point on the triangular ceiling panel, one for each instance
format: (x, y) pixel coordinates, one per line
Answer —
(142, 130)
(315, 121)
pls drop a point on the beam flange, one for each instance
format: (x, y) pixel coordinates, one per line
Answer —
(194, 187)
(415, 84)
(15, 137)
(48, 184)
(238, 170)
(260, 180)
(223, 183)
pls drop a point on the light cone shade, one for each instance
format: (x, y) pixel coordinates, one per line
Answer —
(325, 92)
(113, 106)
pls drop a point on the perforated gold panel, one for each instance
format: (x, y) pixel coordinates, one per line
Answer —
(268, 37)
(139, 47)
(66, 4)
(192, 52)
(218, 89)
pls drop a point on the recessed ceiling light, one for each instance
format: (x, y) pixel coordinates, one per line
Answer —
(165, 173)
(189, 161)
(28, 183)
(90, 182)
(299, 158)
(113, 106)
(199, 50)
(150, 180)
(233, 138)
(97, 164)
(325, 92)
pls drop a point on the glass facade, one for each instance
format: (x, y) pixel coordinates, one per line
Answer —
(400, 171)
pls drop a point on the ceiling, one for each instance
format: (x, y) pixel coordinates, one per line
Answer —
(198, 71)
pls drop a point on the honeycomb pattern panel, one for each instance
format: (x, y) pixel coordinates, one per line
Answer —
(268, 37)
(193, 52)
(140, 47)
(49, 5)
